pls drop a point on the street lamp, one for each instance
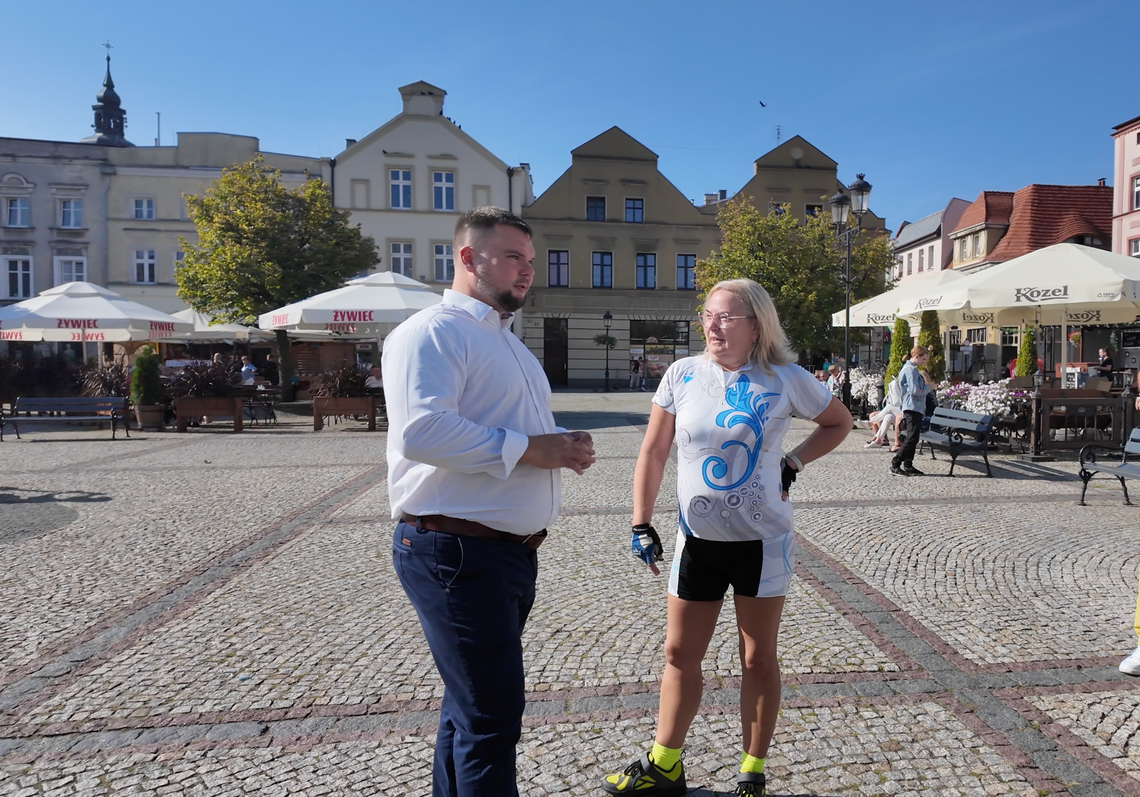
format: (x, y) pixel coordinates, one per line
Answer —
(607, 319)
(841, 206)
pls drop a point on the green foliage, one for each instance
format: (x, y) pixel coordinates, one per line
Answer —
(146, 384)
(261, 246)
(930, 336)
(609, 341)
(1027, 353)
(900, 348)
(800, 265)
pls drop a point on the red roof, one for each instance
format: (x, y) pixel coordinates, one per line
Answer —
(1044, 215)
(991, 207)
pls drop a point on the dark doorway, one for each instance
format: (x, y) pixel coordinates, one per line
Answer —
(555, 350)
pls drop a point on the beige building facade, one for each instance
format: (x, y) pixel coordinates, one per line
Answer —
(612, 234)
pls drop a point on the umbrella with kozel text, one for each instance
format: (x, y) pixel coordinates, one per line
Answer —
(82, 312)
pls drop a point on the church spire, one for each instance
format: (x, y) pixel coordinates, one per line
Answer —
(110, 118)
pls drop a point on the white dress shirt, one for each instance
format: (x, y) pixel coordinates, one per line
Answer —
(464, 394)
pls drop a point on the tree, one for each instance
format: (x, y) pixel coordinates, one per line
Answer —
(900, 348)
(800, 265)
(930, 336)
(1027, 353)
(261, 246)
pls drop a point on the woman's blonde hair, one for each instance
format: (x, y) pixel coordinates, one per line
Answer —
(771, 346)
(918, 351)
(834, 369)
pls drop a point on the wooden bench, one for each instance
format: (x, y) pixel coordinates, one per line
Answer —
(1115, 463)
(959, 432)
(77, 408)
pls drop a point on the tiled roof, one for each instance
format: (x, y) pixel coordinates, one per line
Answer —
(991, 207)
(1044, 215)
(923, 228)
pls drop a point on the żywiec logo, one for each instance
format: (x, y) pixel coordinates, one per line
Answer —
(924, 303)
(1038, 295)
(1083, 317)
(978, 318)
(881, 318)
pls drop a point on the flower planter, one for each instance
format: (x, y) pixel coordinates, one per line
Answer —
(344, 405)
(150, 416)
(188, 409)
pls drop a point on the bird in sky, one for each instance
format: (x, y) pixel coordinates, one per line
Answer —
(762, 105)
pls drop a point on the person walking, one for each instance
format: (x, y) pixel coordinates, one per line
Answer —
(634, 374)
(474, 461)
(728, 411)
(643, 372)
(914, 385)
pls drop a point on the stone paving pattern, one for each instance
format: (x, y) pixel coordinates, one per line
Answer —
(216, 614)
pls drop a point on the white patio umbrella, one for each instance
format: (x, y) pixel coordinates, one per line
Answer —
(83, 312)
(880, 311)
(206, 330)
(367, 305)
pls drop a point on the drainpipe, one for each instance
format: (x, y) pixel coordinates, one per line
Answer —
(510, 189)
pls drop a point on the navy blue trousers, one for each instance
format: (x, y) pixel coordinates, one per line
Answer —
(472, 597)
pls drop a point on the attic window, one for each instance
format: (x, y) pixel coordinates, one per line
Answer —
(1085, 240)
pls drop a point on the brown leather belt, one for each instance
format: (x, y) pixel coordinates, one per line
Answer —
(469, 528)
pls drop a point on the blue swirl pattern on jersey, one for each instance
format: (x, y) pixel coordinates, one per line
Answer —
(742, 409)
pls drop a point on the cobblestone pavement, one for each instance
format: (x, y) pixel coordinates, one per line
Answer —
(216, 614)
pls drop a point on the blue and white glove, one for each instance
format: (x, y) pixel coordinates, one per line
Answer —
(646, 545)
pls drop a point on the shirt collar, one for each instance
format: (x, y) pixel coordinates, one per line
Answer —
(480, 311)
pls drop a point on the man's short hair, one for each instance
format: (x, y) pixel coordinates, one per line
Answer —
(486, 218)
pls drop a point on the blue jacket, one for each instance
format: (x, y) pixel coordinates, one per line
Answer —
(914, 388)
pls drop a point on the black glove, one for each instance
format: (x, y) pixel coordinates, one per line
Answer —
(787, 474)
(646, 545)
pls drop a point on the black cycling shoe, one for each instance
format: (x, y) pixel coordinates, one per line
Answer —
(751, 784)
(911, 470)
(897, 470)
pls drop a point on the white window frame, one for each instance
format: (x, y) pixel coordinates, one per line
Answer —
(58, 266)
(144, 258)
(443, 262)
(406, 256)
(71, 207)
(177, 260)
(406, 198)
(637, 210)
(23, 211)
(1134, 247)
(921, 259)
(909, 263)
(28, 270)
(1136, 193)
(977, 244)
(442, 191)
(142, 208)
(976, 335)
(963, 248)
(930, 259)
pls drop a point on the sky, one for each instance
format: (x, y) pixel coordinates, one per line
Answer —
(928, 100)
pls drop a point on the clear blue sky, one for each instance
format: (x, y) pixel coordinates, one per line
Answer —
(929, 100)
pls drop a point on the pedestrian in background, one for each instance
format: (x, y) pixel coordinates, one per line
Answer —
(634, 374)
(474, 462)
(914, 386)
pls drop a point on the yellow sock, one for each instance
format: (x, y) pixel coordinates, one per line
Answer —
(750, 763)
(665, 759)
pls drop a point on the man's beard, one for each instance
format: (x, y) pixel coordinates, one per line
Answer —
(503, 300)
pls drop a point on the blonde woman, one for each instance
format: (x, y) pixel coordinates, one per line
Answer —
(728, 411)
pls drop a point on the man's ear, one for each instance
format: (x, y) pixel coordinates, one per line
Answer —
(467, 257)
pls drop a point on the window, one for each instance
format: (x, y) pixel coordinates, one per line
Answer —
(143, 208)
(71, 213)
(976, 335)
(646, 265)
(145, 267)
(179, 255)
(812, 210)
(900, 266)
(930, 259)
(595, 208)
(634, 210)
(955, 337)
(401, 182)
(16, 212)
(1136, 193)
(963, 248)
(1010, 336)
(909, 263)
(603, 267)
(977, 238)
(402, 258)
(921, 252)
(17, 278)
(444, 265)
(443, 190)
(1134, 247)
(558, 268)
(686, 281)
(70, 269)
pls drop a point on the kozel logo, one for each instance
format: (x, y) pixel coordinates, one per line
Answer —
(881, 318)
(978, 318)
(1085, 317)
(1037, 295)
(924, 303)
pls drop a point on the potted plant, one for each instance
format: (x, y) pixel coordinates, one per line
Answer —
(206, 391)
(343, 392)
(147, 393)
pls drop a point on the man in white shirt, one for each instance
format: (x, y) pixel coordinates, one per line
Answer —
(474, 461)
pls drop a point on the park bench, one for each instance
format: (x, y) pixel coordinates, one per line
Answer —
(1115, 464)
(74, 408)
(959, 432)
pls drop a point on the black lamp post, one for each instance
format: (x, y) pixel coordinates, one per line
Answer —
(841, 206)
(607, 319)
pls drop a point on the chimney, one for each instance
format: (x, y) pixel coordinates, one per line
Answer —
(710, 199)
(348, 142)
(1100, 181)
(723, 194)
